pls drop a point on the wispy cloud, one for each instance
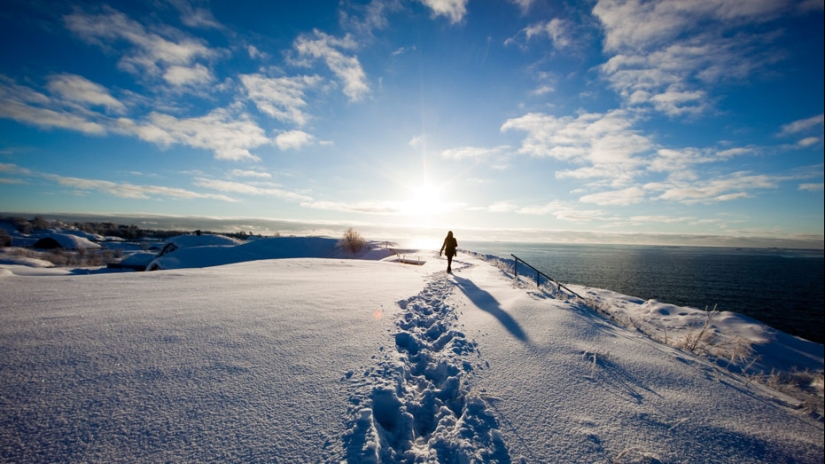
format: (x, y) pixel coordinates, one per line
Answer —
(247, 173)
(8, 168)
(195, 16)
(24, 104)
(165, 55)
(473, 152)
(321, 46)
(628, 196)
(454, 10)
(558, 31)
(812, 187)
(502, 207)
(364, 19)
(606, 143)
(662, 219)
(803, 125)
(680, 162)
(280, 97)
(249, 189)
(127, 190)
(659, 55)
(563, 211)
(360, 207)
(724, 188)
(78, 89)
(293, 140)
(230, 136)
(524, 5)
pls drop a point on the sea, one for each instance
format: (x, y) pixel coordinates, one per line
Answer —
(784, 288)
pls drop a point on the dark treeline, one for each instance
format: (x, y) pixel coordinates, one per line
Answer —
(106, 229)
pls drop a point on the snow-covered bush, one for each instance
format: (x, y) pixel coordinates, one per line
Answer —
(352, 241)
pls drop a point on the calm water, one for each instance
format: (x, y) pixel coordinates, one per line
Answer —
(782, 288)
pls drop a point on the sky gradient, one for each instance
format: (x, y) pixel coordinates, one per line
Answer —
(518, 120)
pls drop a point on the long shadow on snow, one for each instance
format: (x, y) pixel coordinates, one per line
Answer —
(486, 302)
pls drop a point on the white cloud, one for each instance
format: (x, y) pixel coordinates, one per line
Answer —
(802, 125)
(361, 207)
(281, 97)
(126, 190)
(622, 197)
(78, 89)
(724, 188)
(502, 207)
(9, 168)
(229, 136)
(194, 16)
(811, 187)
(364, 19)
(454, 10)
(293, 140)
(662, 219)
(25, 105)
(680, 162)
(188, 75)
(563, 211)
(524, 5)
(152, 54)
(557, 30)
(606, 143)
(347, 68)
(246, 173)
(472, 152)
(248, 189)
(808, 141)
(661, 58)
(47, 118)
(254, 53)
(637, 24)
(418, 141)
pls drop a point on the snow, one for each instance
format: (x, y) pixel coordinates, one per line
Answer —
(68, 241)
(289, 350)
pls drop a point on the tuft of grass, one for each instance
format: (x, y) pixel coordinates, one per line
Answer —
(700, 341)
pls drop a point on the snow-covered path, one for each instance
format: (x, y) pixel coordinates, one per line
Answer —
(324, 360)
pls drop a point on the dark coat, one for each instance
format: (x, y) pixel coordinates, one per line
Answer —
(450, 244)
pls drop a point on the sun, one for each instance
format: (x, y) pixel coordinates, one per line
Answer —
(425, 200)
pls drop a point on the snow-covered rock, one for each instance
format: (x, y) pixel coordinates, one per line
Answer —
(67, 241)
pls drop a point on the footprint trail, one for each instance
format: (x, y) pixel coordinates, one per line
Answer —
(416, 404)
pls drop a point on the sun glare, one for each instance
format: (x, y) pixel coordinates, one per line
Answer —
(425, 200)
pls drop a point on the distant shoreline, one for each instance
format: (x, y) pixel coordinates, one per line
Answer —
(405, 233)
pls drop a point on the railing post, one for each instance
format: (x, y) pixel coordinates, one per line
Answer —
(515, 270)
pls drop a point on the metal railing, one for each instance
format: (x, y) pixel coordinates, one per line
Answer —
(538, 276)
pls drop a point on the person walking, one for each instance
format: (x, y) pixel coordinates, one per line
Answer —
(450, 245)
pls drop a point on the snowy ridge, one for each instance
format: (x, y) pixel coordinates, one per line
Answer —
(417, 404)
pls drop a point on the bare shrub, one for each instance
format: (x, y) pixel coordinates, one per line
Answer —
(352, 241)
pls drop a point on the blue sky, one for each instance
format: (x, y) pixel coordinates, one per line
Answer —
(502, 119)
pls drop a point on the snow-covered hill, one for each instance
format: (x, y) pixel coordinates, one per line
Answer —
(316, 358)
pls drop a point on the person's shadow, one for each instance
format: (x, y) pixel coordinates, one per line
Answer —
(488, 303)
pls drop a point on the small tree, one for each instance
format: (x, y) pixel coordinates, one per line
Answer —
(352, 241)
